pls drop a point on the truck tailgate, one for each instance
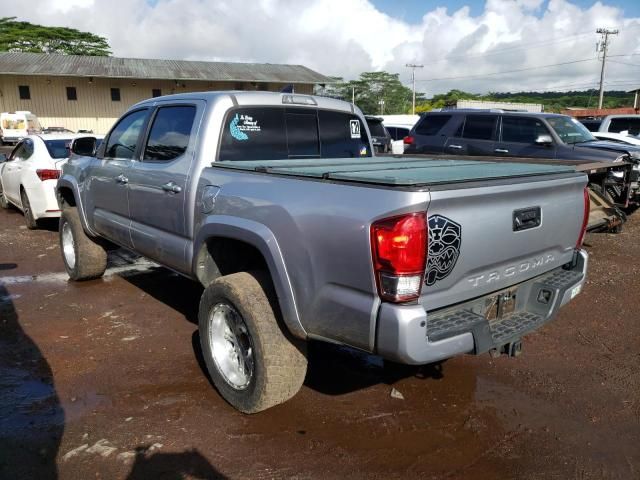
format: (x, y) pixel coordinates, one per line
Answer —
(489, 237)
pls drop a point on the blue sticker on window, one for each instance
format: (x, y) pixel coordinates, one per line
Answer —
(235, 131)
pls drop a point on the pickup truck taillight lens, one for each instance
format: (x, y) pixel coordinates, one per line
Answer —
(408, 140)
(399, 250)
(585, 217)
(46, 174)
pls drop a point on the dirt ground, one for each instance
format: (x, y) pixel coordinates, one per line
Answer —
(103, 380)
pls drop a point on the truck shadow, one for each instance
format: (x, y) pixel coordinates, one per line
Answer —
(31, 416)
(190, 464)
(332, 370)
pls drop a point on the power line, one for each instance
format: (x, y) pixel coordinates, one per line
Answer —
(506, 71)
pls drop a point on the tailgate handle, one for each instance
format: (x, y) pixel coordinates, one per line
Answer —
(526, 218)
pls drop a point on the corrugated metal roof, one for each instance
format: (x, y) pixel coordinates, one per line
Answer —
(114, 67)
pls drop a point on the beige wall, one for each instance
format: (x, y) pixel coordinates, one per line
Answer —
(94, 109)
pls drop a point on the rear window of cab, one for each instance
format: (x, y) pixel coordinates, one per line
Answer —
(280, 133)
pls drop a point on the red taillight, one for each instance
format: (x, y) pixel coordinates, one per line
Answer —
(399, 250)
(585, 217)
(408, 140)
(46, 174)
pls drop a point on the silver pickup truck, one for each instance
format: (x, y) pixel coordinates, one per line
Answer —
(277, 206)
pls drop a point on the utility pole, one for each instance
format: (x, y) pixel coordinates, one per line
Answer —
(604, 43)
(353, 95)
(413, 67)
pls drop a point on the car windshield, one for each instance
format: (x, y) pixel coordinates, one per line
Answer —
(570, 130)
(58, 148)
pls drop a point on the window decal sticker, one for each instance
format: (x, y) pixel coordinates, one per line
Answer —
(242, 124)
(354, 127)
(363, 151)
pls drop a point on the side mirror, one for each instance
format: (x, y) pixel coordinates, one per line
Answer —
(3, 158)
(544, 140)
(84, 146)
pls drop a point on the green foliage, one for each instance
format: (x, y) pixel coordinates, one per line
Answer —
(552, 101)
(372, 87)
(18, 36)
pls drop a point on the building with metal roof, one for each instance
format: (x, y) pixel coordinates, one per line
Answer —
(88, 92)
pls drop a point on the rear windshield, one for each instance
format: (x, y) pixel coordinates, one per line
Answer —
(58, 148)
(376, 129)
(280, 133)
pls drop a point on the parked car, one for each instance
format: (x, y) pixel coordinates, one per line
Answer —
(29, 175)
(399, 127)
(620, 123)
(618, 138)
(57, 130)
(275, 204)
(534, 135)
(379, 135)
(14, 126)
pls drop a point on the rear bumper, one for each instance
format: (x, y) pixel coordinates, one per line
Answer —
(408, 334)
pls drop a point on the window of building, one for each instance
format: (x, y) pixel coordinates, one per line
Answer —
(25, 93)
(124, 136)
(170, 133)
(432, 124)
(263, 86)
(71, 93)
(238, 86)
(156, 92)
(480, 127)
(115, 94)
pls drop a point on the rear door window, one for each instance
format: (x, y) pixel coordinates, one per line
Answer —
(522, 130)
(280, 133)
(431, 124)
(170, 133)
(480, 127)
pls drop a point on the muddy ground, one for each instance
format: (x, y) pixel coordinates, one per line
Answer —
(103, 380)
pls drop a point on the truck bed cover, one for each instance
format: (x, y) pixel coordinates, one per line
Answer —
(396, 172)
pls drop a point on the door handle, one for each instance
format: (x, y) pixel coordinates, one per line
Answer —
(501, 150)
(455, 147)
(121, 179)
(171, 187)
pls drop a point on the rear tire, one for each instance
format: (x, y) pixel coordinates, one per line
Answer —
(83, 257)
(29, 219)
(251, 360)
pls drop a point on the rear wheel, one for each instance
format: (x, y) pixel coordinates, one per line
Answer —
(251, 360)
(83, 257)
(29, 219)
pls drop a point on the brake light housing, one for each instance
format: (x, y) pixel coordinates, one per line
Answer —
(399, 253)
(47, 174)
(408, 140)
(585, 218)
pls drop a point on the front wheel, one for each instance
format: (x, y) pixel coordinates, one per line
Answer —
(252, 361)
(4, 203)
(83, 257)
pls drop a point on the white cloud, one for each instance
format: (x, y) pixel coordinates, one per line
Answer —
(346, 37)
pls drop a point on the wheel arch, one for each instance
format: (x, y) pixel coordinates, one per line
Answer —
(226, 245)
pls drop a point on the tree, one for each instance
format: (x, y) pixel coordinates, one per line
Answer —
(372, 87)
(18, 36)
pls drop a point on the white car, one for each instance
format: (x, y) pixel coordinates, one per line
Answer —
(29, 175)
(617, 137)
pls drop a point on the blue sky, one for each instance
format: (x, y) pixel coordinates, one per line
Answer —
(411, 11)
